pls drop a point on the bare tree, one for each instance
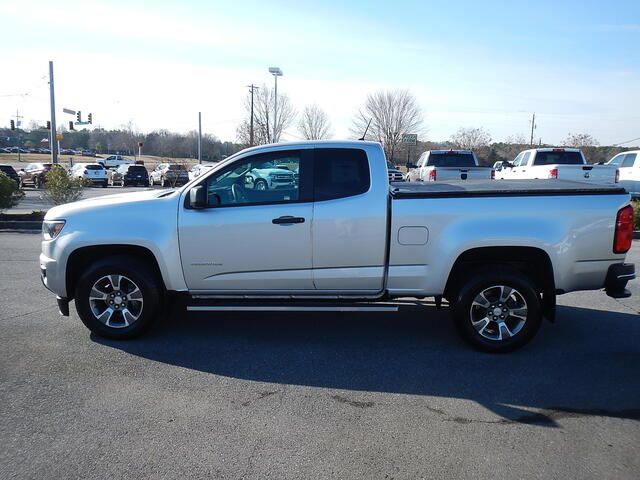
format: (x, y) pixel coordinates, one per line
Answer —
(392, 113)
(314, 123)
(517, 139)
(470, 138)
(263, 128)
(580, 140)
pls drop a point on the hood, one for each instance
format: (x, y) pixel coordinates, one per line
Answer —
(108, 202)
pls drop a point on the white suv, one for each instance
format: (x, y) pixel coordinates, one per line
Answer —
(94, 172)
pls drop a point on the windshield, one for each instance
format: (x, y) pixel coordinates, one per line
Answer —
(176, 167)
(451, 159)
(136, 169)
(558, 158)
(93, 167)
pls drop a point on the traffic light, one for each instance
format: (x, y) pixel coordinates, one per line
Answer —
(48, 125)
(78, 116)
(90, 118)
(70, 125)
(13, 125)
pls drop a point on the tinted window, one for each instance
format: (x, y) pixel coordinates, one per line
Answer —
(136, 168)
(94, 167)
(176, 167)
(256, 180)
(7, 169)
(451, 159)
(629, 160)
(340, 172)
(558, 158)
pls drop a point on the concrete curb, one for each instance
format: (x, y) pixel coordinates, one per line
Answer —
(636, 234)
(34, 225)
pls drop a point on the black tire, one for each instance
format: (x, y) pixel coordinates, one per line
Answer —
(162, 182)
(37, 184)
(481, 281)
(105, 184)
(135, 270)
(263, 183)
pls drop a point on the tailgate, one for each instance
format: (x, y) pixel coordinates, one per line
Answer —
(603, 174)
(463, 173)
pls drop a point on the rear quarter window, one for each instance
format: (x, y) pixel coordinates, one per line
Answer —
(340, 173)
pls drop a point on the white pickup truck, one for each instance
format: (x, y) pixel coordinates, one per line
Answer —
(114, 161)
(628, 163)
(445, 165)
(556, 163)
(339, 239)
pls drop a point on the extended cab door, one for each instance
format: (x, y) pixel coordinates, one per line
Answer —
(251, 239)
(349, 220)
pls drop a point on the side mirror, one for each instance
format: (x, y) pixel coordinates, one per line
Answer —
(198, 197)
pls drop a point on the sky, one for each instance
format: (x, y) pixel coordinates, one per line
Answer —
(489, 64)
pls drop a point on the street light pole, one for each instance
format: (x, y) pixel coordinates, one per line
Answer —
(276, 72)
(52, 143)
(199, 137)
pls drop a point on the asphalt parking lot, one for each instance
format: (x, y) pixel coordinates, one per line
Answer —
(374, 396)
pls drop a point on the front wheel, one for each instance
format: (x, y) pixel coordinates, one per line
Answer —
(118, 297)
(497, 310)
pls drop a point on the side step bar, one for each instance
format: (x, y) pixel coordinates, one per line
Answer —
(292, 308)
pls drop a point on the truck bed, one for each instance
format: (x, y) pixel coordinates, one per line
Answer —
(499, 188)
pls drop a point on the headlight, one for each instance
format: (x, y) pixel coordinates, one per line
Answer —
(52, 228)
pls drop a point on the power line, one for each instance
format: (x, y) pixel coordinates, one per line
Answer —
(628, 141)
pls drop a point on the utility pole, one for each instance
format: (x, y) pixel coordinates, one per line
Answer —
(533, 126)
(52, 142)
(199, 137)
(18, 125)
(252, 88)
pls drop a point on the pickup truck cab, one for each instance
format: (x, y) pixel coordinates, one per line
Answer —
(339, 239)
(628, 164)
(444, 165)
(556, 163)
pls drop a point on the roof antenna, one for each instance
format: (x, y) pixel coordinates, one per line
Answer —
(366, 130)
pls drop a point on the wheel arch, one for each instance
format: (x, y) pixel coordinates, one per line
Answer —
(83, 256)
(531, 261)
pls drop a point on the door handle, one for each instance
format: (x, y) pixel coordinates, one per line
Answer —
(287, 220)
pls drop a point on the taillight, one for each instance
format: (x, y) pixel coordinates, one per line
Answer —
(624, 230)
(553, 173)
(493, 174)
(617, 175)
(432, 175)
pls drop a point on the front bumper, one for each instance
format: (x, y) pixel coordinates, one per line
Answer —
(617, 277)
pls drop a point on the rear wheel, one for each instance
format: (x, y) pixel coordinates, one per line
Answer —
(37, 183)
(497, 310)
(118, 297)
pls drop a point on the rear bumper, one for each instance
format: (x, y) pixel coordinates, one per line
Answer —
(617, 277)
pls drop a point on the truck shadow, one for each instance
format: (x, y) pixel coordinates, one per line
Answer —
(588, 363)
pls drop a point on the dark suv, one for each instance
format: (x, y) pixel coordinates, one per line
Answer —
(34, 174)
(126, 175)
(10, 172)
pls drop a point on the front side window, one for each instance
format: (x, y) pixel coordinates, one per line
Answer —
(525, 159)
(516, 162)
(339, 173)
(629, 160)
(257, 180)
(617, 160)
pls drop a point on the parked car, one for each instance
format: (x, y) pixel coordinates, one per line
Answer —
(10, 172)
(93, 172)
(395, 175)
(34, 174)
(88, 153)
(444, 165)
(128, 175)
(198, 169)
(268, 175)
(5, 150)
(341, 239)
(557, 163)
(169, 175)
(114, 161)
(18, 150)
(628, 164)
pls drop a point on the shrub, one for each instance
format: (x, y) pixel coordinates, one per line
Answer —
(636, 215)
(61, 188)
(10, 193)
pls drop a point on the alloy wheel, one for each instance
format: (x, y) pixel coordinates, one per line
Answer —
(498, 312)
(116, 301)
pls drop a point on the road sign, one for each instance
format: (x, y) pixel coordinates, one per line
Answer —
(69, 111)
(59, 137)
(140, 144)
(410, 138)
